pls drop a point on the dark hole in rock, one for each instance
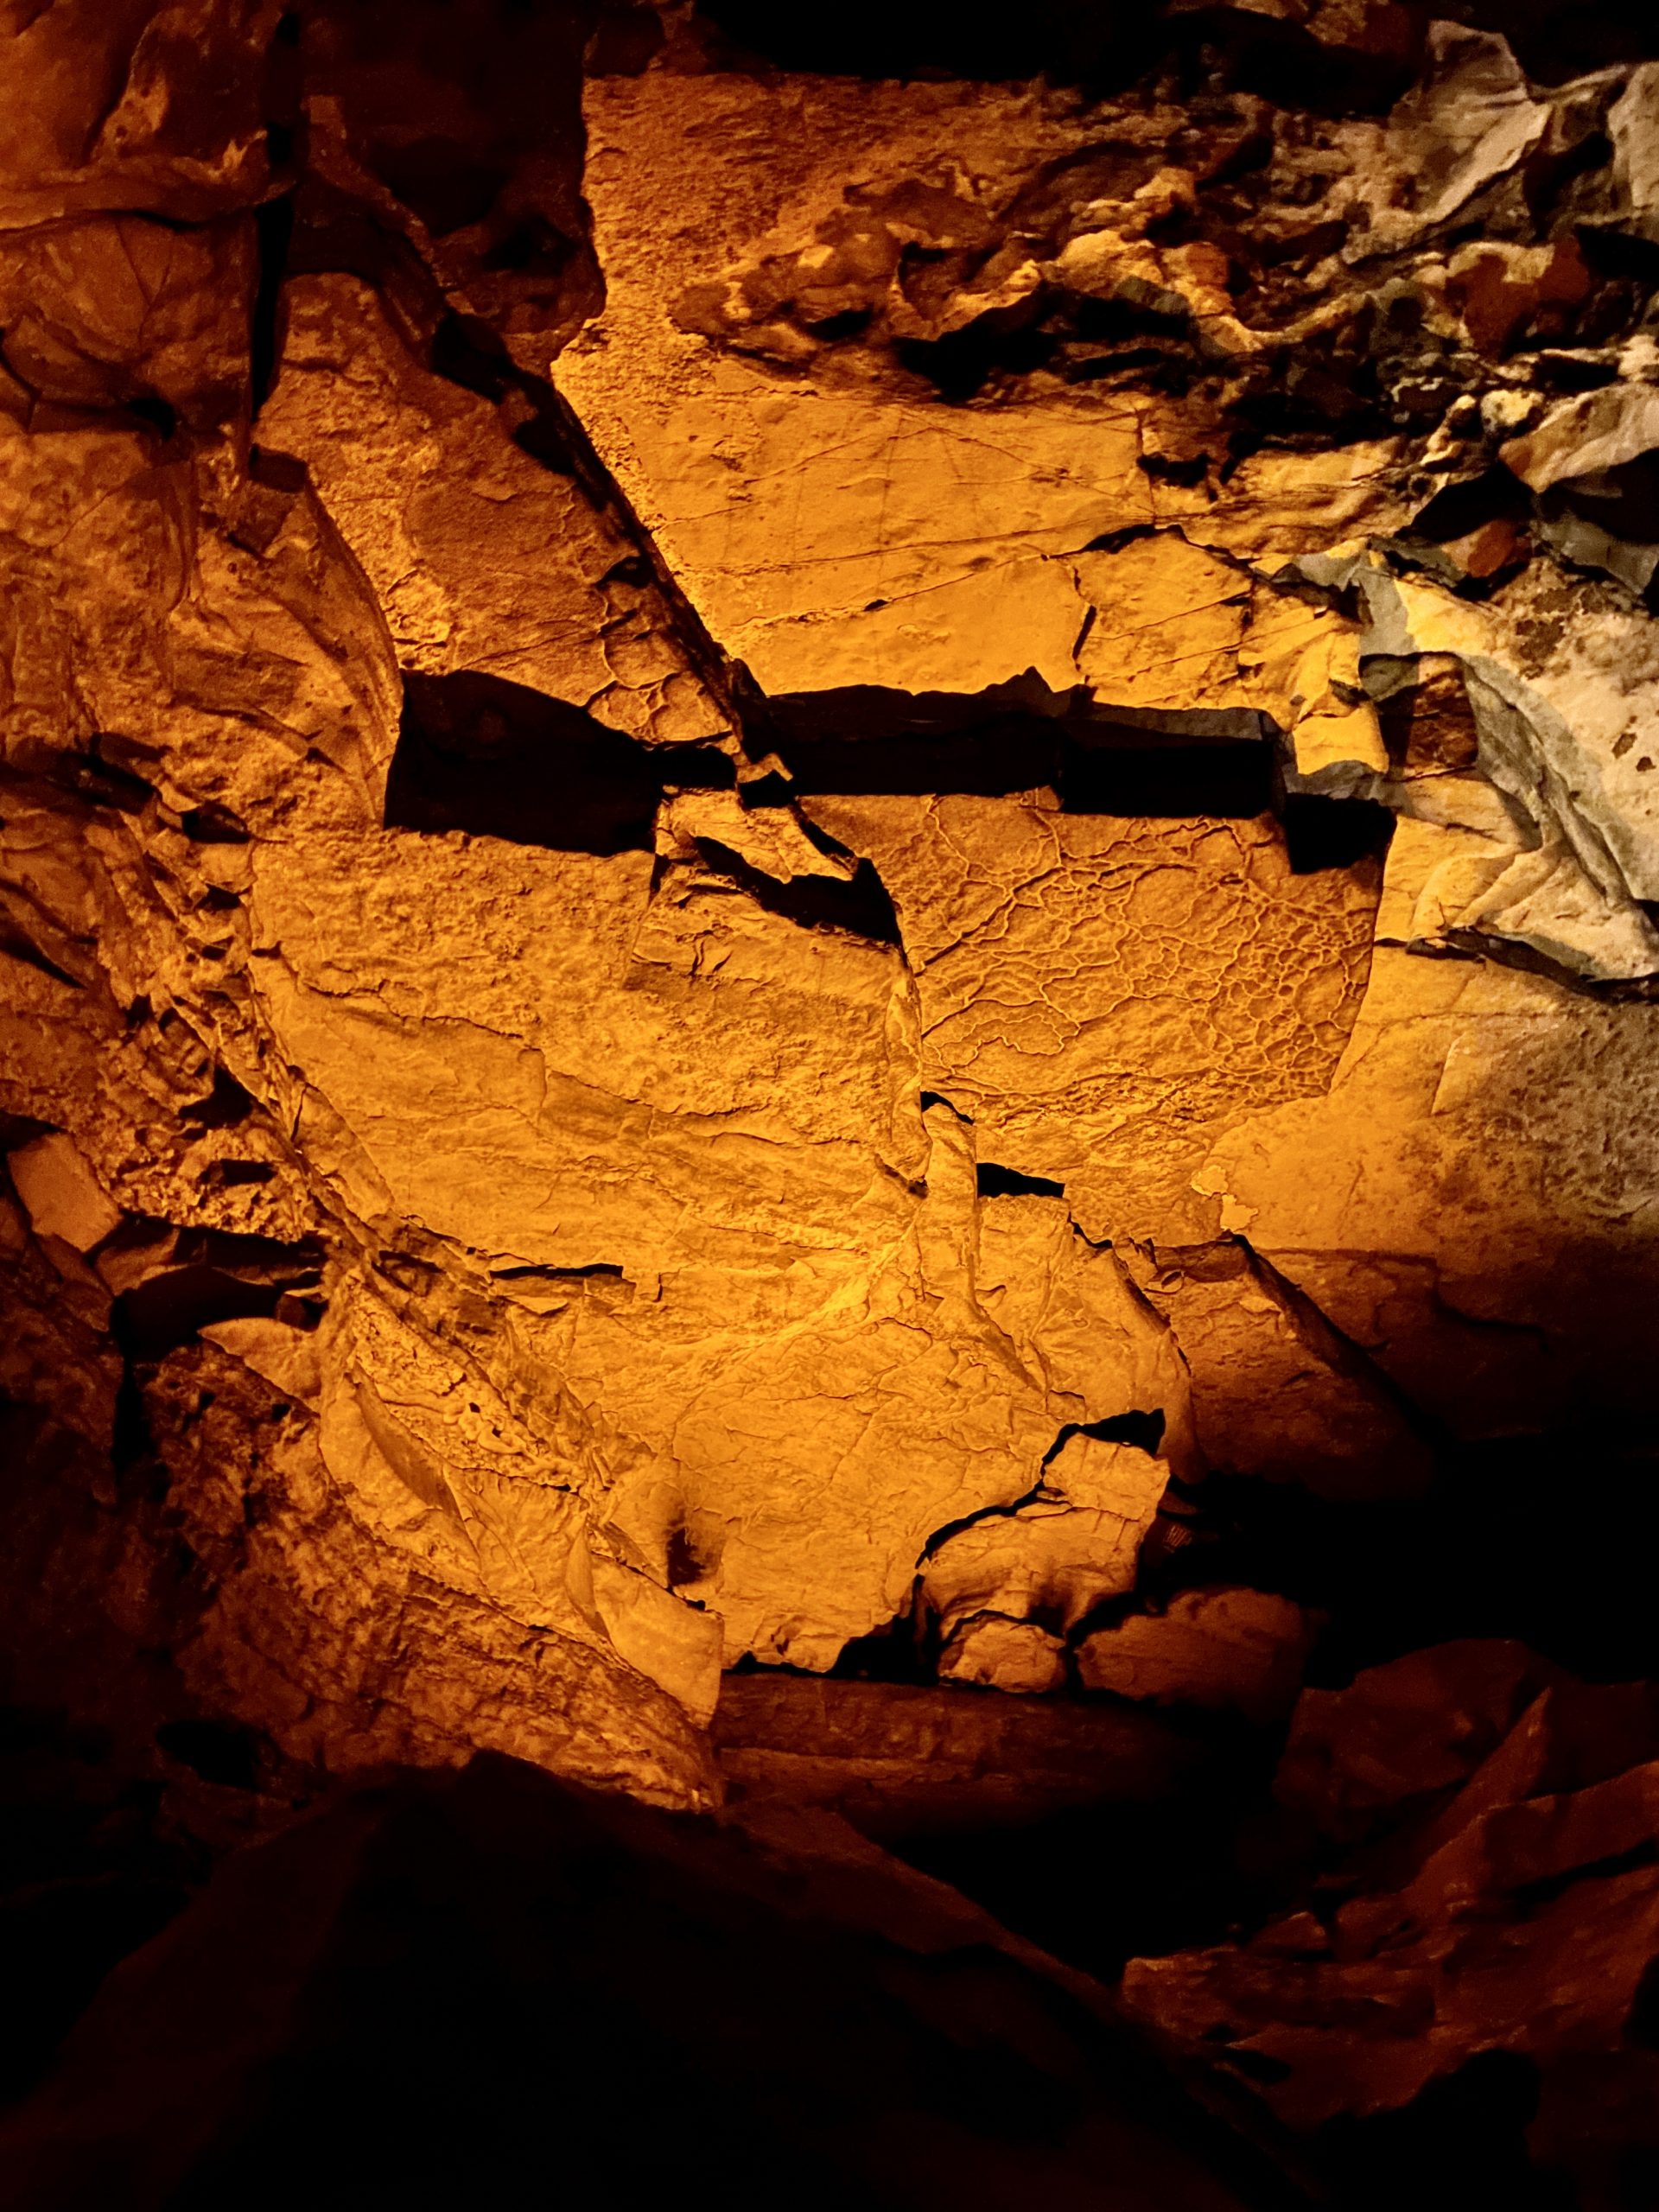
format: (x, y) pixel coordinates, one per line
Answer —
(284, 91)
(19, 945)
(1569, 372)
(468, 352)
(994, 1182)
(1068, 38)
(1481, 1553)
(130, 1441)
(218, 1750)
(958, 365)
(1014, 752)
(232, 1174)
(150, 1320)
(226, 1106)
(1101, 763)
(100, 781)
(1461, 2142)
(59, 1938)
(273, 231)
(902, 1650)
(1495, 496)
(858, 904)
(1145, 1431)
(157, 413)
(19, 1129)
(261, 1259)
(1168, 779)
(1323, 833)
(213, 824)
(447, 185)
(1623, 501)
(497, 759)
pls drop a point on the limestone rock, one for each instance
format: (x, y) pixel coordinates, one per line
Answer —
(894, 1757)
(1101, 993)
(1506, 1904)
(698, 1937)
(1238, 1650)
(1275, 1390)
(997, 1653)
(1059, 1555)
(482, 558)
(696, 964)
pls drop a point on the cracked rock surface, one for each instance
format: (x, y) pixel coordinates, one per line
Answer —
(697, 882)
(792, 831)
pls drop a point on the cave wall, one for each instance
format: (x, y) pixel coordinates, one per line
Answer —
(778, 845)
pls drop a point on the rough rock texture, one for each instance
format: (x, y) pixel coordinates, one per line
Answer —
(829, 855)
(1239, 1650)
(1498, 1896)
(785, 820)
(895, 1757)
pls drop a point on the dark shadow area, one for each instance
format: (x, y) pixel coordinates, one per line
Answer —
(1102, 44)
(1547, 1539)
(994, 1182)
(859, 904)
(84, 1879)
(427, 1985)
(226, 1106)
(1111, 41)
(1321, 833)
(1167, 776)
(1008, 753)
(1460, 2143)
(207, 1275)
(497, 759)
(220, 1752)
(1100, 766)
(1100, 1884)
(273, 230)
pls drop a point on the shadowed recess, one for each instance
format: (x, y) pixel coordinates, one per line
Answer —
(498, 760)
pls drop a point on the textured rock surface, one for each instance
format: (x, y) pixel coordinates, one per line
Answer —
(1238, 1650)
(1502, 1900)
(768, 834)
(829, 849)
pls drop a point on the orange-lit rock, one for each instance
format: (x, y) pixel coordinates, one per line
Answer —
(697, 864)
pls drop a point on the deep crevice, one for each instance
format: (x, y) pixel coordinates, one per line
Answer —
(498, 760)
(992, 1181)
(274, 232)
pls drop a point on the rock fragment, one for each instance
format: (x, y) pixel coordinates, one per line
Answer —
(1231, 1650)
(1505, 1902)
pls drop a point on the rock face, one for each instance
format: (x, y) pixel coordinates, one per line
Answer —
(825, 2022)
(772, 840)
(1497, 1896)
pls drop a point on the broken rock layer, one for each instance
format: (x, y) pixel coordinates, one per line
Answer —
(753, 863)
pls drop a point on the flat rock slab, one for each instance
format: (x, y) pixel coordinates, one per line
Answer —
(897, 1759)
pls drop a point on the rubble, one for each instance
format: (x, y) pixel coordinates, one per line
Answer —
(1498, 1895)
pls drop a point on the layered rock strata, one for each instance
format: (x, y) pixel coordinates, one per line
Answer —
(752, 868)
